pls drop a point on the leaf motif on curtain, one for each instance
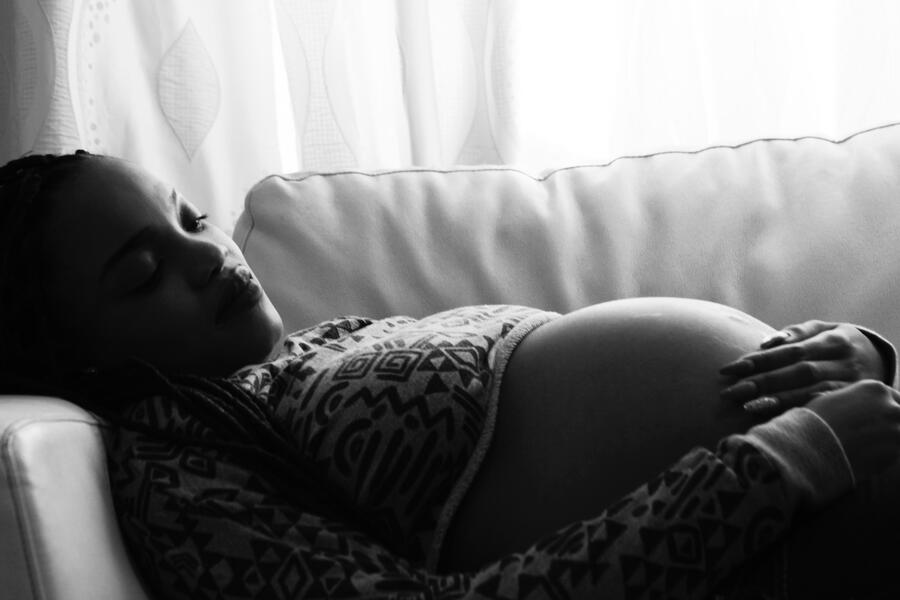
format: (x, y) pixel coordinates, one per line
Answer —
(188, 88)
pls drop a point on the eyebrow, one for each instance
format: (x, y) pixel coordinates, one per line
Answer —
(134, 242)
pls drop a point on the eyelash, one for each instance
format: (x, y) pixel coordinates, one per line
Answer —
(196, 226)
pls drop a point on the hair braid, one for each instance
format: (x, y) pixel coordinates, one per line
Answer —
(240, 424)
(26, 185)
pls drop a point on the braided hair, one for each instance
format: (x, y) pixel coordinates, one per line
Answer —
(241, 424)
(26, 186)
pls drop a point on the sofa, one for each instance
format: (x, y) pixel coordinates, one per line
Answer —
(786, 230)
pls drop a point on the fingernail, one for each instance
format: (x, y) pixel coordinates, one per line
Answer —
(738, 367)
(761, 404)
(744, 389)
(776, 338)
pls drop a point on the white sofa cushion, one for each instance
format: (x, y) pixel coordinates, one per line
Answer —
(784, 229)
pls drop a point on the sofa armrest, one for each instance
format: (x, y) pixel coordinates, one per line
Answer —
(61, 539)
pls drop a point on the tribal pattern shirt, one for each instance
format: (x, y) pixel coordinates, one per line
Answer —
(398, 412)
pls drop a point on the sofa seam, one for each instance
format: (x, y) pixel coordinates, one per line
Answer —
(248, 208)
(301, 176)
(304, 175)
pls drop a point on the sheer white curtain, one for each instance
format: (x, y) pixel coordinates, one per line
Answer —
(182, 88)
(596, 80)
(214, 94)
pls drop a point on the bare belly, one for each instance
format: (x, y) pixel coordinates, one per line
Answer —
(593, 405)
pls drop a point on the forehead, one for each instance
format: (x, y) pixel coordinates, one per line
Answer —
(108, 190)
(100, 206)
(109, 183)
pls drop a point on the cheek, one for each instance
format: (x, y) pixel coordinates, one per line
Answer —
(166, 339)
(68, 306)
(70, 289)
(166, 316)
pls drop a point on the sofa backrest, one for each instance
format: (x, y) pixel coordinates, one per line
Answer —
(784, 229)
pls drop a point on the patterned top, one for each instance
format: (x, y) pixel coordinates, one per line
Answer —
(399, 413)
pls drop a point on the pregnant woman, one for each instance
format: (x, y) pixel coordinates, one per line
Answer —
(640, 448)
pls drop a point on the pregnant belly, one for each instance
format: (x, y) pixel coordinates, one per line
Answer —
(593, 405)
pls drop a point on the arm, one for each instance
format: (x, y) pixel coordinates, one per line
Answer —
(219, 532)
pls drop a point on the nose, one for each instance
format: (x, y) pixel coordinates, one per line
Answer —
(204, 261)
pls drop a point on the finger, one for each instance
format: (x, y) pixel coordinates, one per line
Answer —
(793, 377)
(797, 333)
(765, 360)
(783, 401)
(763, 404)
(822, 346)
(779, 337)
(895, 395)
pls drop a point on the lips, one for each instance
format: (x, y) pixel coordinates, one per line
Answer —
(240, 292)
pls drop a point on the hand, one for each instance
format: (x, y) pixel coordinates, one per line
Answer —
(865, 416)
(800, 361)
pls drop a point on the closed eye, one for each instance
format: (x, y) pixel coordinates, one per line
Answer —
(151, 282)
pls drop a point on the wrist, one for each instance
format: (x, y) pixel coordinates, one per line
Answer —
(809, 454)
(881, 356)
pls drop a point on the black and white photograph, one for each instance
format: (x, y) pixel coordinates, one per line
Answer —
(449, 299)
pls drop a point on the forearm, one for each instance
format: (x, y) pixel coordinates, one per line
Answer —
(697, 522)
(684, 532)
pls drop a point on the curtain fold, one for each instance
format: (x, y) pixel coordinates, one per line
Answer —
(212, 95)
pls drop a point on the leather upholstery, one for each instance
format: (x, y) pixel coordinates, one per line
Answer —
(58, 535)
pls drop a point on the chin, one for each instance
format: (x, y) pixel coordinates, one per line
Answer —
(264, 342)
(276, 324)
(275, 327)
(253, 338)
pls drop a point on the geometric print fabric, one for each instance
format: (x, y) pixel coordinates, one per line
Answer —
(392, 411)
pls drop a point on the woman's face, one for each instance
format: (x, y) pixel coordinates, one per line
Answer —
(135, 271)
